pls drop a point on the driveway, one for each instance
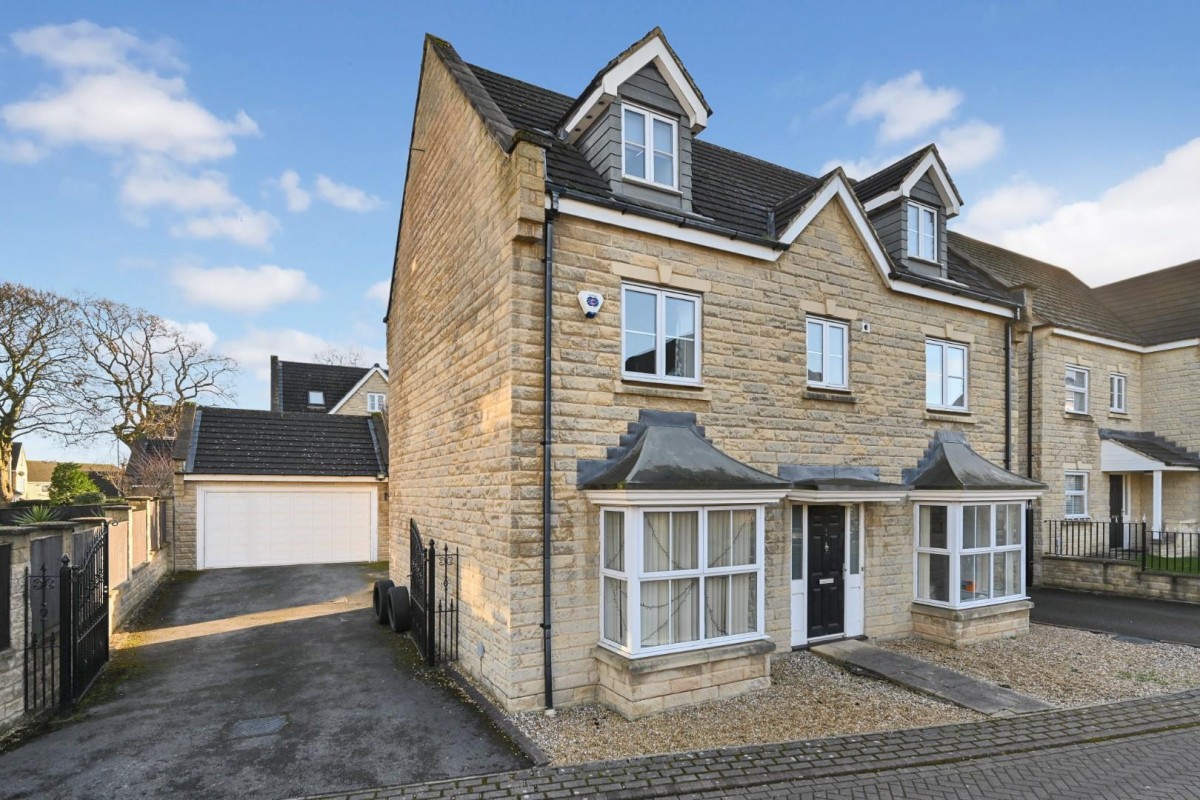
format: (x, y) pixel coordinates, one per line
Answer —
(1160, 620)
(267, 683)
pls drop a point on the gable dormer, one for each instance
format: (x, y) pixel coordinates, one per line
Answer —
(635, 122)
(909, 203)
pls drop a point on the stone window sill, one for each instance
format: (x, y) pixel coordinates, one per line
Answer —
(938, 415)
(1077, 415)
(621, 386)
(830, 396)
(687, 658)
(1119, 414)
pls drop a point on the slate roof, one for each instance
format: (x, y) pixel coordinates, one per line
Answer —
(949, 463)
(890, 177)
(1153, 446)
(667, 450)
(1058, 296)
(43, 471)
(235, 441)
(298, 378)
(1162, 306)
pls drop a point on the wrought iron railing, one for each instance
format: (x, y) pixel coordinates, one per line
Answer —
(433, 590)
(1133, 542)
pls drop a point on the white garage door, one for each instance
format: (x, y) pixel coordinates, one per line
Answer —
(252, 527)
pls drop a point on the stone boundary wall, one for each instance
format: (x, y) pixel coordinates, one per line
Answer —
(1117, 577)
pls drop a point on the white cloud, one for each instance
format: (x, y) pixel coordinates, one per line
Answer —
(21, 151)
(906, 106)
(254, 350)
(1145, 222)
(345, 197)
(1019, 202)
(244, 290)
(85, 45)
(157, 182)
(861, 167)
(969, 145)
(199, 332)
(244, 226)
(379, 292)
(297, 199)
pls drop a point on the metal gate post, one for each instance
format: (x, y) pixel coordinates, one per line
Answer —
(430, 608)
(66, 633)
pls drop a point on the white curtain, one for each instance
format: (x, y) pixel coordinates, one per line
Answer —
(614, 540)
(656, 541)
(685, 540)
(744, 537)
(685, 605)
(616, 626)
(716, 597)
(656, 613)
(743, 606)
(720, 532)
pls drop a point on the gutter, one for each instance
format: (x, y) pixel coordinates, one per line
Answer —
(547, 434)
(954, 290)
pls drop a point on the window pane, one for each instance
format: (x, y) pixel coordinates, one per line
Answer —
(1006, 574)
(975, 577)
(685, 610)
(956, 362)
(681, 337)
(720, 538)
(745, 538)
(664, 169)
(933, 576)
(635, 161)
(614, 540)
(639, 353)
(656, 538)
(635, 127)
(685, 540)
(797, 544)
(1074, 483)
(816, 351)
(956, 391)
(1015, 571)
(641, 331)
(656, 613)
(933, 527)
(616, 625)
(1008, 524)
(855, 543)
(1075, 507)
(933, 374)
(913, 229)
(664, 139)
(716, 606)
(743, 603)
(977, 527)
(835, 358)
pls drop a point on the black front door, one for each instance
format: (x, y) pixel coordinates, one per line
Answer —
(826, 560)
(1116, 511)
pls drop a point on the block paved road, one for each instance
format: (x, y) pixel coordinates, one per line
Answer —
(1147, 748)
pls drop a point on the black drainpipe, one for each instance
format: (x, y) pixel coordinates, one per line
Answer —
(1030, 535)
(1008, 387)
(547, 431)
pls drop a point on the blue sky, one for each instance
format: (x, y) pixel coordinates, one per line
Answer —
(238, 167)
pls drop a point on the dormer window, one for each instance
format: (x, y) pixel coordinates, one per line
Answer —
(922, 232)
(649, 147)
(316, 398)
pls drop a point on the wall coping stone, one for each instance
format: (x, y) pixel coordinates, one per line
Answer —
(638, 666)
(968, 614)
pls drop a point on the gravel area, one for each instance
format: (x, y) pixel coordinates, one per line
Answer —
(808, 699)
(1068, 667)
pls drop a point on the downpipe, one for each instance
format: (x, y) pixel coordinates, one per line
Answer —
(547, 433)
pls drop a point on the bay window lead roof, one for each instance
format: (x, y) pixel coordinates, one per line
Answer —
(949, 463)
(666, 450)
(835, 478)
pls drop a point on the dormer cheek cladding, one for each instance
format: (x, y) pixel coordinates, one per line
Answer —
(602, 144)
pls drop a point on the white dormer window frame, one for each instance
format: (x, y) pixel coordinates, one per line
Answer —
(923, 229)
(650, 146)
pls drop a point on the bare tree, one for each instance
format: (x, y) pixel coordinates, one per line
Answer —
(339, 357)
(144, 370)
(150, 471)
(40, 369)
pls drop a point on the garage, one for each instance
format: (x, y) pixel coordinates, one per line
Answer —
(249, 526)
(279, 488)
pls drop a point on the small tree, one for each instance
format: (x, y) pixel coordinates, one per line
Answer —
(67, 481)
(345, 357)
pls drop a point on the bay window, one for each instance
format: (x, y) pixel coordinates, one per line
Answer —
(970, 554)
(680, 578)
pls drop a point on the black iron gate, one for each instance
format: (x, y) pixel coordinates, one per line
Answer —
(66, 623)
(434, 612)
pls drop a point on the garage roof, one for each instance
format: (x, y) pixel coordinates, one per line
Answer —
(235, 441)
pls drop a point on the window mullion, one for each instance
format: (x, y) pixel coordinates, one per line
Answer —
(633, 536)
(660, 336)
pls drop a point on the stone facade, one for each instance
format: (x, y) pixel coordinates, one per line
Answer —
(356, 403)
(465, 346)
(1118, 577)
(967, 626)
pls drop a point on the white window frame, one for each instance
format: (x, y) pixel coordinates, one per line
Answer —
(1118, 385)
(826, 325)
(648, 130)
(966, 376)
(918, 212)
(1069, 493)
(376, 401)
(955, 551)
(316, 398)
(634, 575)
(1074, 394)
(660, 335)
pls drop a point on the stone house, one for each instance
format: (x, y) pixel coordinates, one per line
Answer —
(1116, 417)
(681, 408)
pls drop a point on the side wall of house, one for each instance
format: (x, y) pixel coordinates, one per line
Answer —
(356, 404)
(1172, 399)
(460, 468)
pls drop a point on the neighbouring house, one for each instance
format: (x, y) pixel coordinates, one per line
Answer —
(680, 408)
(327, 388)
(105, 476)
(1116, 415)
(19, 471)
(303, 483)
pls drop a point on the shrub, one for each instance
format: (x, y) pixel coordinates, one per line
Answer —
(36, 514)
(69, 481)
(88, 499)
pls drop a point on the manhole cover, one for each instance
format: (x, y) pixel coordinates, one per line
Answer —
(261, 726)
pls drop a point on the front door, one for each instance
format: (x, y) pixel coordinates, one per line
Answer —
(1116, 511)
(826, 570)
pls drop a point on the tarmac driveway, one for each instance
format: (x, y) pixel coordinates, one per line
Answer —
(1159, 620)
(268, 682)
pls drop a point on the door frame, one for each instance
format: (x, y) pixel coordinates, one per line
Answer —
(854, 592)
